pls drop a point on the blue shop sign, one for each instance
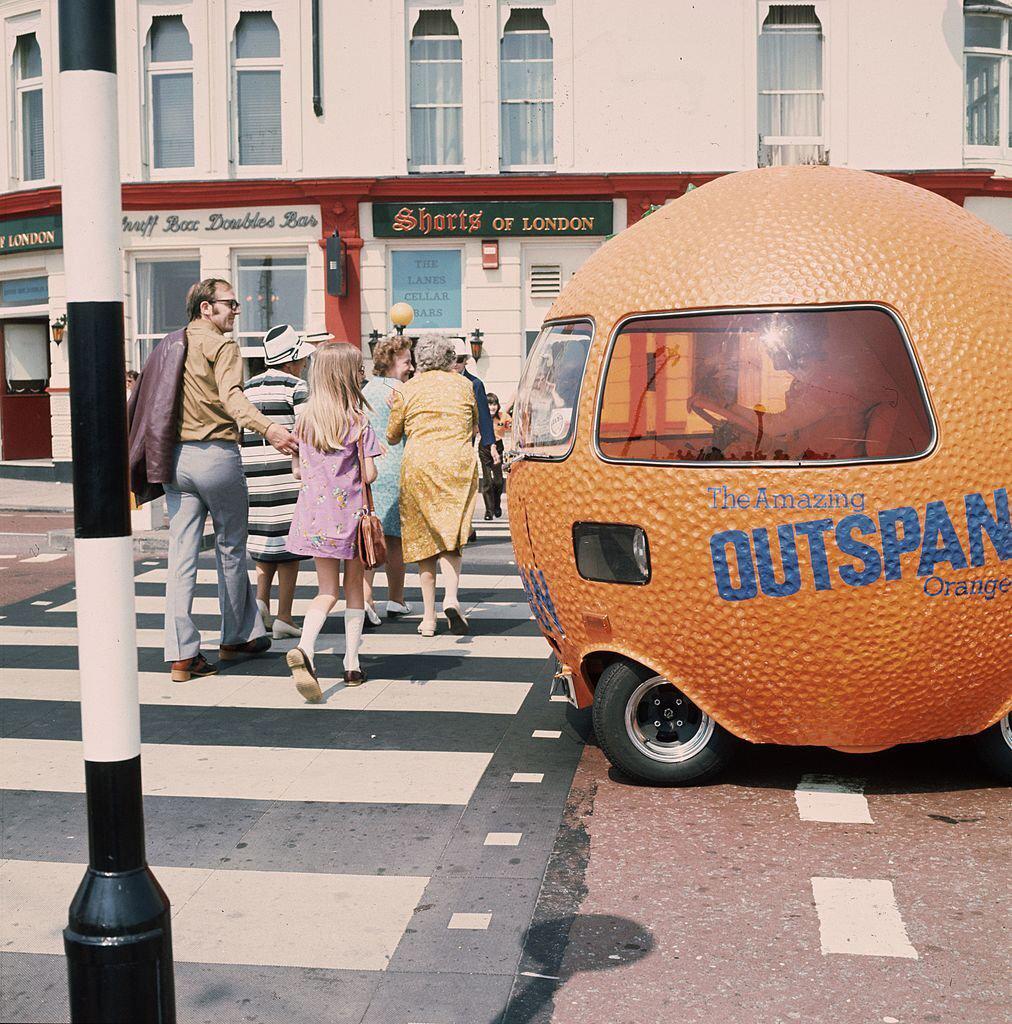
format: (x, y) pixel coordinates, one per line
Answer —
(429, 282)
(24, 291)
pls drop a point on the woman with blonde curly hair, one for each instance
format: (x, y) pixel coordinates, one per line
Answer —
(437, 413)
(391, 367)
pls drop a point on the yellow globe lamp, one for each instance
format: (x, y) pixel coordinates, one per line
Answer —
(401, 314)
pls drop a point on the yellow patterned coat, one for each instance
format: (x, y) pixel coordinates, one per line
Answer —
(438, 414)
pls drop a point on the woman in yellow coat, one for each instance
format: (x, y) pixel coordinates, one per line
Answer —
(437, 412)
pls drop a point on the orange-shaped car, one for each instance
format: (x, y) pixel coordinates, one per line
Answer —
(759, 477)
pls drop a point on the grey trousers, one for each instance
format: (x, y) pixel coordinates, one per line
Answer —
(208, 477)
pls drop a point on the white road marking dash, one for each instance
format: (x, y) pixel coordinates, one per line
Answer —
(859, 916)
(470, 922)
(832, 798)
(503, 838)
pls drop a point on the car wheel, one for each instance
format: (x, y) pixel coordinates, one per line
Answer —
(652, 732)
(994, 746)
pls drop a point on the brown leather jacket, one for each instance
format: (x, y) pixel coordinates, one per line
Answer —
(153, 415)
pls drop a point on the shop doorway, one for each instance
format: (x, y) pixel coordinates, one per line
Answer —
(547, 269)
(25, 426)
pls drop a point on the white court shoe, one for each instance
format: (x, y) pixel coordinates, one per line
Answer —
(284, 629)
(265, 614)
(394, 609)
(372, 615)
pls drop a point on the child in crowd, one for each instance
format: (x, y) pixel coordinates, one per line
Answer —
(329, 429)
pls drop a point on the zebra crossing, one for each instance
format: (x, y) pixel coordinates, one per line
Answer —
(390, 840)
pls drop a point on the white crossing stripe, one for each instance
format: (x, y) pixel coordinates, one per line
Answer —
(470, 922)
(533, 777)
(469, 696)
(859, 916)
(259, 773)
(832, 798)
(307, 578)
(503, 838)
(546, 734)
(154, 604)
(513, 647)
(45, 558)
(266, 918)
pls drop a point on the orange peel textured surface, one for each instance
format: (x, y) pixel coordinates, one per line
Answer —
(863, 666)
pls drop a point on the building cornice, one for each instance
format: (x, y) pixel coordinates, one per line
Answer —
(654, 188)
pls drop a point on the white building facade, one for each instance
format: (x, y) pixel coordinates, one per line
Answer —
(333, 158)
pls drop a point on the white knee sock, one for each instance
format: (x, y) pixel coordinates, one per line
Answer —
(311, 626)
(354, 619)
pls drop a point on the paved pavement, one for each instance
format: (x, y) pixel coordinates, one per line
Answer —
(374, 859)
(35, 495)
(803, 885)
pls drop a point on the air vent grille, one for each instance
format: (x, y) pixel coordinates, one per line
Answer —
(546, 281)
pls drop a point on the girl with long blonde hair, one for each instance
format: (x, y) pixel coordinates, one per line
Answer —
(330, 430)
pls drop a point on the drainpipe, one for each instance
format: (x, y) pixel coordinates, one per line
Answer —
(317, 97)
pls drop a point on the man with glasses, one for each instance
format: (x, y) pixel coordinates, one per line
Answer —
(207, 477)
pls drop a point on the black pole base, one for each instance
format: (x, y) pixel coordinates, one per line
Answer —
(119, 950)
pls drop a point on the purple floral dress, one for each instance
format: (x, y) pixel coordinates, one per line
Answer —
(331, 499)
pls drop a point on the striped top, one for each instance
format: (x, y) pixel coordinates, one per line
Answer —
(273, 490)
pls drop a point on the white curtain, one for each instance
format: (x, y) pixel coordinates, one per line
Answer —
(172, 120)
(259, 101)
(34, 152)
(437, 99)
(527, 127)
(790, 83)
(982, 100)
(258, 91)
(28, 66)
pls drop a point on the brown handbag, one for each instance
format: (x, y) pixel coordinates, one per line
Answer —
(370, 544)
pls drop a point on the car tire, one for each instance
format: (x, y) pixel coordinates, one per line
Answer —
(994, 748)
(687, 747)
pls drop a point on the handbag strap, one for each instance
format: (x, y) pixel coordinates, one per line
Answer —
(366, 488)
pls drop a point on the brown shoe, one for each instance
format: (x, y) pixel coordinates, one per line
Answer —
(355, 678)
(304, 674)
(198, 665)
(228, 652)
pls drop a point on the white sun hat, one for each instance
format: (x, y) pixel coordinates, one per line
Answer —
(283, 345)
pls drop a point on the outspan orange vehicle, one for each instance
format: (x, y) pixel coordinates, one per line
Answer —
(759, 477)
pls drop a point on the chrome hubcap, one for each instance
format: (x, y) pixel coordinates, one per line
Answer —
(1006, 730)
(664, 724)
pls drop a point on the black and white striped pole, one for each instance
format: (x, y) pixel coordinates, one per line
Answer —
(117, 940)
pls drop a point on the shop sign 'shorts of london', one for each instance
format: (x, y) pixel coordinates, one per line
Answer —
(475, 220)
(257, 222)
(30, 233)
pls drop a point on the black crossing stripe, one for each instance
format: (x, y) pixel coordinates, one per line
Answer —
(98, 419)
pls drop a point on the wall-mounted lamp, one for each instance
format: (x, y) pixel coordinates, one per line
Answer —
(374, 337)
(476, 344)
(57, 327)
(401, 314)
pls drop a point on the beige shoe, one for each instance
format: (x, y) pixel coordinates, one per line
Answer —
(304, 675)
(265, 614)
(282, 630)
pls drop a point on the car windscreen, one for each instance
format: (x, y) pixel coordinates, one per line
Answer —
(544, 416)
(792, 385)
